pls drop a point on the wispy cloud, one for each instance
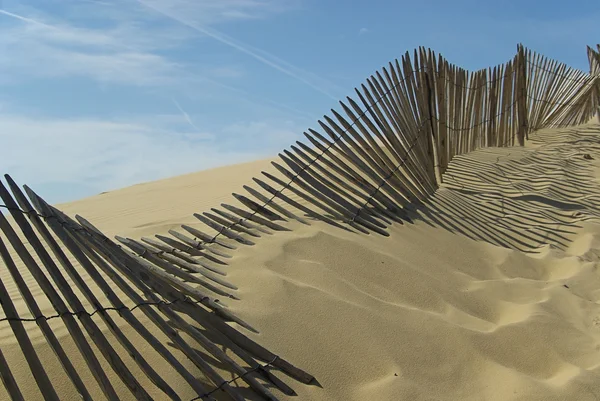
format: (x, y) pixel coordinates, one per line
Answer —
(121, 51)
(138, 53)
(363, 31)
(24, 19)
(100, 155)
(168, 10)
(106, 55)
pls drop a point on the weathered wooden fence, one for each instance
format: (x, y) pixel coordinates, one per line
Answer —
(360, 173)
(163, 291)
(390, 151)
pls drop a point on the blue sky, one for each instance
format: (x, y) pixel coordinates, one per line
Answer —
(100, 94)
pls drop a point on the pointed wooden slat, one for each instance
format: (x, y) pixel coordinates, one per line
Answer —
(168, 263)
(168, 249)
(352, 176)
(207, 238)
(248, 344)
(342, 180)
(234, 225)
(248, 376)
(194, 243)
(249, 203)
(271, 203)
(221, 229)
(241, 221)
(253, 217)
(188, 262)
(191, 267)
(190, 246)
(279, 194)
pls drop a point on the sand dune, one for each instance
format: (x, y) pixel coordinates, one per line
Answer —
(153, 207)
(439, 311)
(426, 258)
(491, 293)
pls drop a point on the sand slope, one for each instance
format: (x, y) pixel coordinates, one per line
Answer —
(491, 293)
(430, 314)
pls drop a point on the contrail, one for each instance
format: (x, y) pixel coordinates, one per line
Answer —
(274, 104)
(241, 47)
(25, 19)
(185, 115)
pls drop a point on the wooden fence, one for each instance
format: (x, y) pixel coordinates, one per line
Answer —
(361, 173)
(162, 291)
(389, 152)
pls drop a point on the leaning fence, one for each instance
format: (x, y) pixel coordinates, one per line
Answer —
(360, 172)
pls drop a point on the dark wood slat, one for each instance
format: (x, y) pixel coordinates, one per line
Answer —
(255, 207)
(190, 246)
(223, 230)
(253, 217)
(207, 238)
(238, 220)
(271, 203)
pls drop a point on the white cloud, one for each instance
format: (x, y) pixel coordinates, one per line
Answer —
(131, 47)
(116, 43)
(363, 31)
(104, 155)
(123, 54)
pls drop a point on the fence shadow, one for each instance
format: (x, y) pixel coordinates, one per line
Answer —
(521, 198)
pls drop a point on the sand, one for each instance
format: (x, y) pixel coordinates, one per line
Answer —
(492, 293)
